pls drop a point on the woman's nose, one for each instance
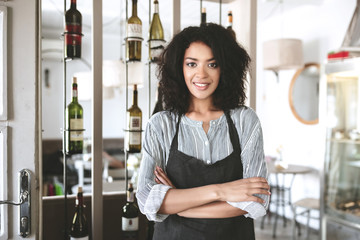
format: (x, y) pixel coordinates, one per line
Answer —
(202, 71)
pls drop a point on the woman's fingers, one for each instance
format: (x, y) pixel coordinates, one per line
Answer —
(162, 177)
(245, 189)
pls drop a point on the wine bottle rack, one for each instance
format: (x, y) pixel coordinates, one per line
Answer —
(64, 129)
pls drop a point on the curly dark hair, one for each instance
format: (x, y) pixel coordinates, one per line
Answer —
(232, 58)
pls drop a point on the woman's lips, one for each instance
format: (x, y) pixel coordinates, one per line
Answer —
(201, 86)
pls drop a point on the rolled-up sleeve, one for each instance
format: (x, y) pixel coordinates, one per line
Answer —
(150, 195)
(254, 164)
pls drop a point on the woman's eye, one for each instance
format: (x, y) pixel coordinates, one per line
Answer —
(191, 64)
(213, 65)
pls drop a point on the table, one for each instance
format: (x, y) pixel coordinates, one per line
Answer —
(281, 188)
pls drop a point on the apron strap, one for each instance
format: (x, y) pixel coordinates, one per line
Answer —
(174, 144)
(234, 137)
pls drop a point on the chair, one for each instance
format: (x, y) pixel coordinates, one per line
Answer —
(307, 205)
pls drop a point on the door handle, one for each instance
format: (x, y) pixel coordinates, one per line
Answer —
(24, 202)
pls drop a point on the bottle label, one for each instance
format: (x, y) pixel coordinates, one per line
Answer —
(73, 34)
(75, 92)
(79, 238)
(130, 224)
(72, 39)
(72, 27)
(135, 123)
(134, 32)
(76, 124)
(134, 138)
(156, 47)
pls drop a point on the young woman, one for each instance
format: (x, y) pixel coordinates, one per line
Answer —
(203, 174)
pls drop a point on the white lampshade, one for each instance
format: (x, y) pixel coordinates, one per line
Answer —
(135, 74)
(114, 73)
(282, 54)
(85, 87)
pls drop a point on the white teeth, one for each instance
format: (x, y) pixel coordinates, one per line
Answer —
(201, 84)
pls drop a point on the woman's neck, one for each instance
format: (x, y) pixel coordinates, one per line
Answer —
(204, 112)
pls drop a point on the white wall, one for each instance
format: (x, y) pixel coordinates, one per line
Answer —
(321, 25)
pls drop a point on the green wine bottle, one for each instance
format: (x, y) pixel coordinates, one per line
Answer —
(79, 227)
(156, 35)
(74, 124)
(134, 117)
(130, 216)
(134, 35)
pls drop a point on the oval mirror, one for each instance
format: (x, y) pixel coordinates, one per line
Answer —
(304, 94)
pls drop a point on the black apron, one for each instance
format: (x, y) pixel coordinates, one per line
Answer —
(185, 171)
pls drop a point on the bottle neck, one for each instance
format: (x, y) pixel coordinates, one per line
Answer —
(134, 8)
(74, 92)
(135, 97)
(79, 200)
(230, 21)
(130, 196)
(203, 17)
(156, 7)
(73, 4)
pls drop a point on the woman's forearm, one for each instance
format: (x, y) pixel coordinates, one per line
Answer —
(213, 210)
(179, 200)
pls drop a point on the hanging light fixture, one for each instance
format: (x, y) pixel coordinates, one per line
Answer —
(85, 89)
(283, 54)
(114, 73)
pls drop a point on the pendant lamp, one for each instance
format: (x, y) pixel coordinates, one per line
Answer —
(283, 54)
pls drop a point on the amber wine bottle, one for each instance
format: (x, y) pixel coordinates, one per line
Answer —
(230, 24)
(134, 35)
(73, 21)
(203, 17)
(134, 117)
(79, 227)
(156, 35)
(74, 124)
(130, 216)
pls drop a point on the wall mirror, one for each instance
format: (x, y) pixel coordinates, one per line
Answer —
(304, 94)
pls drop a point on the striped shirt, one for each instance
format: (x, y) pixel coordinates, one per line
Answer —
(210, 147)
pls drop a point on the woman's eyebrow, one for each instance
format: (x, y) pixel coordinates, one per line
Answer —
(195, 59)
(190, 58)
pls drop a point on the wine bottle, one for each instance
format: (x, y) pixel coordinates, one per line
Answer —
(79, 227)
(230, 24)
(74, 124)
(203, 17)
(156, 35)
(130, 216)
(134, 35)
(73, 21)
(134, 117)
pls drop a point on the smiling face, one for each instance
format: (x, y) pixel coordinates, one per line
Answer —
(201, 72)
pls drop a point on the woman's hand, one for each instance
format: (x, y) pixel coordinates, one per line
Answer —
(162, 178)
(243, 190)
(235, 191)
